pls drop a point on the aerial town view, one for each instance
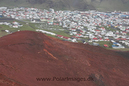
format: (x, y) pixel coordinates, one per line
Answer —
(106, 29)
(64, 43)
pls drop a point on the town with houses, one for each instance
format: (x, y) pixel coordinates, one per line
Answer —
(106, 29)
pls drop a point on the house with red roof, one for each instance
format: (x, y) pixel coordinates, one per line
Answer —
(73, 29)
(95, 39)
(102, 28)
(66, 37)
(98, 31)
(105, 45)
(127, 30)
(59, 36)
(124, 33)
(100, 39)
(79, 35)
(106, 39)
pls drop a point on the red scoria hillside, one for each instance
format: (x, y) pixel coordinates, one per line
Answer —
(27, 58)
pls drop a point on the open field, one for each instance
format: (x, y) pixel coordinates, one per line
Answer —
(11, 29)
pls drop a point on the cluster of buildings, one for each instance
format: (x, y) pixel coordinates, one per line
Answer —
(97, 26)
(93, 26)
(12, 24)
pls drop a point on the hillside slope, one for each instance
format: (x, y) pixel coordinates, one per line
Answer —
(111, 5)
(101, 5)
(26, 56)
(56, 4)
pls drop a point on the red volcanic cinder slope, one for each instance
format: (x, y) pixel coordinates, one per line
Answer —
(27, 58)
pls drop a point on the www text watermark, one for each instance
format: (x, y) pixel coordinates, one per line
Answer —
(77, 79)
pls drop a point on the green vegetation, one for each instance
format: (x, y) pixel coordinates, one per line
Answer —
(109, 28)
(3, 34)
(52, 28)
(111, 5)
(26, 27)
(5, 27)
(33, 26)
(63, 33)
(11, 29)
(125, 49)
(54, 36)
(101, 43)
(101, 5)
